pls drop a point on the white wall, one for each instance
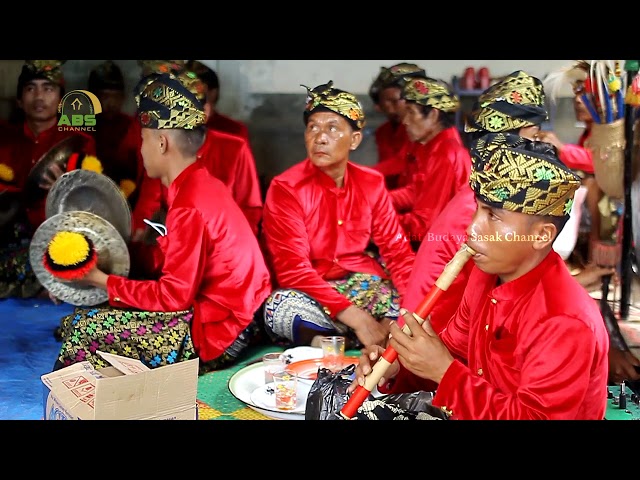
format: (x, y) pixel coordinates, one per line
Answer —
(285, 76)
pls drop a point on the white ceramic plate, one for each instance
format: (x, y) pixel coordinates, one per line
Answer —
(265, 397)
(245, 381)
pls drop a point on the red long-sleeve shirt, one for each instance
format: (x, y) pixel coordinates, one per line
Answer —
(443, 168)
(315, 231)
(228, 158)
(536, 348)
(212, 262)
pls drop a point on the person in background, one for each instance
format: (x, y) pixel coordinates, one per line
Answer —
(392, 143)
(119, 158)
(40, 89)
(442, 160)
(213, 279)
(216, 120)
(319, 218)
(227, 157)
(622, 362)
(578, 156)
(516, 348)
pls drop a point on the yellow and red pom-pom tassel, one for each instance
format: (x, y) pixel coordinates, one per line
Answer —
(69, 256)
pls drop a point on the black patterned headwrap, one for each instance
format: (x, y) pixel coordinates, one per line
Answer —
(516, 101)
(394, 76)
(326, 97)
(519, 175)
(166, 101)
(50, 70)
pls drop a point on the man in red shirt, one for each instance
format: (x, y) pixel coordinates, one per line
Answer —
(214, 278)
(119, 159)
(319, 218)
(226, 156)
(216, 120)
(39, 92)
(391, 136)
(442, 161)
(527, 341)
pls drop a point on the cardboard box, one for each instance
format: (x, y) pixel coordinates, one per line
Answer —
(127, 390)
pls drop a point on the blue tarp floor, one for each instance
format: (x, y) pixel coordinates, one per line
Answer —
(28, 350)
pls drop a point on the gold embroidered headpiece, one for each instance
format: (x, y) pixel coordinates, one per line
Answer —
(325, 97)
(50, 70)
(514, 102)
(395, 75)
(170, 101)
(516, 174)
(430, 93)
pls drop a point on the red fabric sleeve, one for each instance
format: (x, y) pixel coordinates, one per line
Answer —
(288, 244)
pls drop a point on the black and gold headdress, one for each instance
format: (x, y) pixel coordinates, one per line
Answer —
(516, 174)
(326, 97)
(514, 102)
(430, 93)
(167, 101)
(50, 70)
(395, 75)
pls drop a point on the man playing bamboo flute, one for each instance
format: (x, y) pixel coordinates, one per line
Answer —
(527, 341)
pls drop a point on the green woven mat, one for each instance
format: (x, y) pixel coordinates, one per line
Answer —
(215, 401)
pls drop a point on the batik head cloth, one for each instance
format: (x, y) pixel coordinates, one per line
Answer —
(516, 174)
(394, 76)
(514, 102)
(166, 101)
(430, 93)
(50, 70)
(326, 97)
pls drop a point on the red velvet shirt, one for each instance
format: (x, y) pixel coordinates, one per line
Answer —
(442, 242)
(390, 139)
(578, 157)
(226, 124)
(226, 157)
(315, 231)
(442, 168)
(536, 348)
(212, 262)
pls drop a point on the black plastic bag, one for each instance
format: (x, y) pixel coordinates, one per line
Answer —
(328, 395)
(400, 406)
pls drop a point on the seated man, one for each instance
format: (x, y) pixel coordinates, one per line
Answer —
(527, 341)
(119, 159)
(319, 218)
(216, 120)
(227, 157)
(392, 143)
(213, 279)
(442, 161)
(40, 89)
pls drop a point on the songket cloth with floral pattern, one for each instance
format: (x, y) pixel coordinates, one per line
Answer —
(287, 310)
(154, 338)
(17, 279)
